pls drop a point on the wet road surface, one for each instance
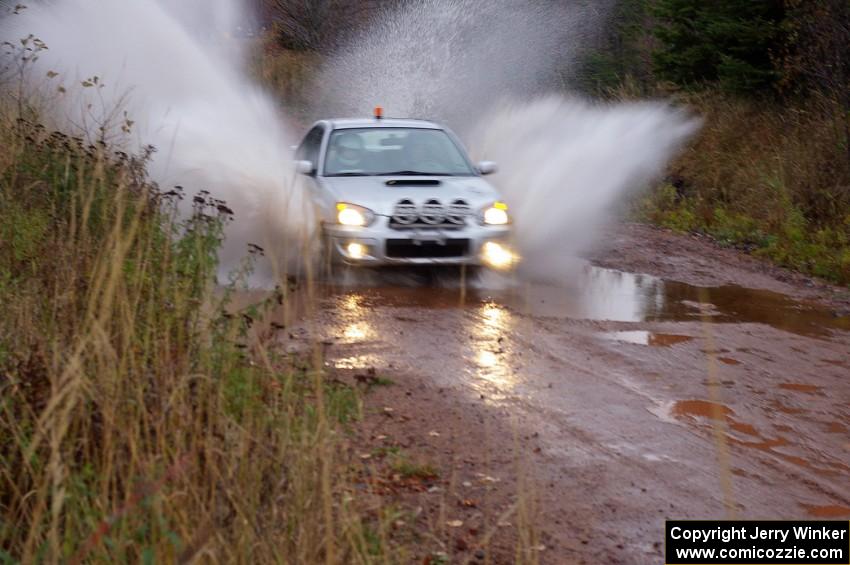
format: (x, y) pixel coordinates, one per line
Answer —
(653, 398)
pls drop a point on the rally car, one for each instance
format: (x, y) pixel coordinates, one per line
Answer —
(402, 192)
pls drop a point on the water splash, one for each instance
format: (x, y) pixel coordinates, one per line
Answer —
(566, 164)
(178, 74)
(489, 70)
(451, 59)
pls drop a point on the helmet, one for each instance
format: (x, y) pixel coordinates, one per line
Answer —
(349, 148)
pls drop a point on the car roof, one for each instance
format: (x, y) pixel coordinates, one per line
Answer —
(349, 123)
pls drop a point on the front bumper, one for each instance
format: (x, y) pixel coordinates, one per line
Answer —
(382, 245)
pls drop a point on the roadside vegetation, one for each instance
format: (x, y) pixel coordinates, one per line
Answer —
(143, 417)
(770, 170)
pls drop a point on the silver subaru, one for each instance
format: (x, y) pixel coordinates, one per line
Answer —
(402, 192)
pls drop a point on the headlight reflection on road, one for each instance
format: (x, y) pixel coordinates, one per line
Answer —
(493, 325)
(356, 331)
(355, 316)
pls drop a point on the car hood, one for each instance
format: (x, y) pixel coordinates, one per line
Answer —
(380, 197)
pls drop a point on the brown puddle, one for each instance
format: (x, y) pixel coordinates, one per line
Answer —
(799, 387)
(702, 408)
(748, 429)
(728, 361)
(832, 511)
(836, 428)
(719, 412)
(651, 339)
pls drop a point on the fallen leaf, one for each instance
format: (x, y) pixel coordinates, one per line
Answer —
(454, 523)
(434, 434)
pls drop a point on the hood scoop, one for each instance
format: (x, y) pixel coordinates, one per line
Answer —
(413, 182)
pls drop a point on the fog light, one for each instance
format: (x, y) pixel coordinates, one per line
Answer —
(497, 255)
(355, 250)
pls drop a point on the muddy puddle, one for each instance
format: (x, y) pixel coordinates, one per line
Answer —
(595, 293)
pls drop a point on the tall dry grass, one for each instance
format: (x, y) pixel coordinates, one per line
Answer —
(143, 417)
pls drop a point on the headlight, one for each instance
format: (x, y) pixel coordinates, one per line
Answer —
(353, 215)
(496, 215)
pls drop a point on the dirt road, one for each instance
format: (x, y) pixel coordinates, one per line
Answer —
(667, 378)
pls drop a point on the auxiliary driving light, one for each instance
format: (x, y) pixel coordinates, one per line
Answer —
(355, 250)
(497, 255)
(353, 215)
(496, 215)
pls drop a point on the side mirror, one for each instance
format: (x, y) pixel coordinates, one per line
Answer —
(487, 167)
(304, 167)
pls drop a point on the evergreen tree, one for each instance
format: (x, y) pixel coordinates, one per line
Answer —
(732, 42)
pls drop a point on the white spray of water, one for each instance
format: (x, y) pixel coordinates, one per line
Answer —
(181, 79)
(451, 59)
(486, 67)
(566, 164)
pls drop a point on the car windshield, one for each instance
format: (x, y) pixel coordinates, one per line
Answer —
(394, 151)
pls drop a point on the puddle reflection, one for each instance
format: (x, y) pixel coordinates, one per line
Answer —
(652, 339)
(492, 323)
(355, 317)
(595, 293)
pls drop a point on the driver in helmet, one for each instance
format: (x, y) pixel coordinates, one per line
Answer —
(348, 151)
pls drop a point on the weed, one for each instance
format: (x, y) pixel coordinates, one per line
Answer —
(142, 418)
(408, 469)
(765, 178)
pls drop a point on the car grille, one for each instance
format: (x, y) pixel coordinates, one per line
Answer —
(411, 249)
(432, 213)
